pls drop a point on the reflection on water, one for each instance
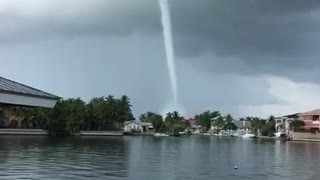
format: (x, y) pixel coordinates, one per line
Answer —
(156, 158)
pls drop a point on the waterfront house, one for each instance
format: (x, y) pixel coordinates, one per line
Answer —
(135, 126)
(308, 132)
(242, 125)
(283, 122)
(213, 127)
(132, 126)
(311, 120)
(146, 127)
(192, 125)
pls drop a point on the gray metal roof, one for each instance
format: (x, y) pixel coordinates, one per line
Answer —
(9, 86)
(240, 124)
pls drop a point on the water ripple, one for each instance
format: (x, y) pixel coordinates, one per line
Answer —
(202, 158)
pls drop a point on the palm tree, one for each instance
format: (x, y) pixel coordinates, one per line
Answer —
(74, 116)
(173, 121)
(229, 119)
(169, 115)
(111, 106)
(257, 124)
(271, 119)
(218, 122)
(248, 118)
(143, 117)
(176, 115)
(229, 125)
(206, 117)
(125, 109)
(146, 117)
(96, 113)
(157, 122)
(270, 127)
(296, 124)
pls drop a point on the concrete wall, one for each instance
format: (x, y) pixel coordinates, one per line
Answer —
(101, 133)
(305, 135)
(23, 132)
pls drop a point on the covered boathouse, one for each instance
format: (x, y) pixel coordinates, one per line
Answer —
(14, 94)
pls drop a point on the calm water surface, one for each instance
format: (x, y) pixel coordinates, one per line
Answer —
(167, 158)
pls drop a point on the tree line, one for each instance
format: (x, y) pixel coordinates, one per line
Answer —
(109, 113)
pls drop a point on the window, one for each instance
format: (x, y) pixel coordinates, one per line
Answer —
(315, 118)
(305, 118)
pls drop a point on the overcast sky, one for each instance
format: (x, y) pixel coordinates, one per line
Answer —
(248, 57)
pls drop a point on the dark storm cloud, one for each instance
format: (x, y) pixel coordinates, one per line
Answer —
(246, 29)
(259, 33)
(257, 36)
(111, 17)
(99, 47)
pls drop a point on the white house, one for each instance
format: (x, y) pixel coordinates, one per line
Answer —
(130, 126)
(146, 127)
(135, 126)
(283, 123)
(213, 127)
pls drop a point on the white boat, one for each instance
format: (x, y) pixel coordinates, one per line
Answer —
(280, 134)
(248, 135)
(224, 134)
(160, 135)
(236, 135)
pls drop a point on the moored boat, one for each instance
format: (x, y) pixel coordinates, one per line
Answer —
(248, 135)
(280, 134)
(160, 135)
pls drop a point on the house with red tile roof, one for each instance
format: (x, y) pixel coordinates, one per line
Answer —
(193, 124)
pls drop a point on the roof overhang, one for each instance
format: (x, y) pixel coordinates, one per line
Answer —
(25, 100)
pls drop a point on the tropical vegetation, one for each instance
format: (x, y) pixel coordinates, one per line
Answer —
(214, 119)
(206, 117)
(296, 124)
(172, 123)
(154, 118)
